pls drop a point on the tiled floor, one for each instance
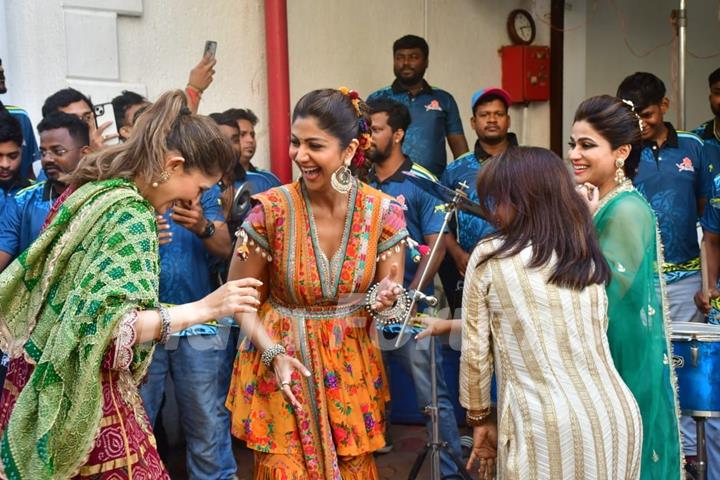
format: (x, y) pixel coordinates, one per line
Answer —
(408, 441)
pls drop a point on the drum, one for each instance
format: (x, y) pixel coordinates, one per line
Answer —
(696, 356)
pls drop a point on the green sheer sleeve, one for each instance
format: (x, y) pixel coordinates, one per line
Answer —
(637, 330)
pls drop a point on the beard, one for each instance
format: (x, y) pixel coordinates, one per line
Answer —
(378, 156)
(7, 184)
(494, 140)
(414, 79)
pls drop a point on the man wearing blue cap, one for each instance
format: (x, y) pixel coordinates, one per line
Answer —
(491, 121)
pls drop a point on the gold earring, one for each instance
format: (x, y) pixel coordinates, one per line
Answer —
(164, 177)
(619, 172)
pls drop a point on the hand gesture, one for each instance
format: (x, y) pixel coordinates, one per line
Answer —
(484, 450)
(97, 139)
(283, 366)
(190, 216)
(702, 299)
(236, 296)
(435, 326)
(590, 195)
(201, 76)
(164, 235)
(388, 290)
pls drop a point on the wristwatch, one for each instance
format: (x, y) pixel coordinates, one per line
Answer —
(209, 230)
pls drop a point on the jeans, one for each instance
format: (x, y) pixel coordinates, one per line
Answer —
(682, 309)
(231, 339)
(193, 363)
(414, 358)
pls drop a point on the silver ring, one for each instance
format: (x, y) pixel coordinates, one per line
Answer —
(285, 383)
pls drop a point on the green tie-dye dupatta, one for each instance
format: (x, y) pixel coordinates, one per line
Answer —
(61, 303)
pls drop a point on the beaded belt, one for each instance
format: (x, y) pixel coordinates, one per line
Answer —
(310, 311)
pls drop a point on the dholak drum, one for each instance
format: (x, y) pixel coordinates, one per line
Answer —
(696, 356)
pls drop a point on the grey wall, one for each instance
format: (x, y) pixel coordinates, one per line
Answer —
(608, 60)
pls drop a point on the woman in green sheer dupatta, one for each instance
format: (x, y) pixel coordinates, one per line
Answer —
(605, 151)
(79, 309)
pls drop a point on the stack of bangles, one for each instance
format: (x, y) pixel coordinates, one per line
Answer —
(476, 418)
(392, 315)
(270, 353)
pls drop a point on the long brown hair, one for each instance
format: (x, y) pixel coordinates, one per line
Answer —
(168, 125)
(535, 184)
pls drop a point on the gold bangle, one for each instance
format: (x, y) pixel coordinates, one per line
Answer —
(476, 418)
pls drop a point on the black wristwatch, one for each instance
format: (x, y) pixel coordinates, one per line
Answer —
(209, 230)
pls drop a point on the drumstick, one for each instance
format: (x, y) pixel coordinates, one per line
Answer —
(703, 269)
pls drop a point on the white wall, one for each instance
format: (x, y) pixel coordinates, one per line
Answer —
(155, 51)
(342, 42)
(608, 59)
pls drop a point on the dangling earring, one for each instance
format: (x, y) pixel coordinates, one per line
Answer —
(341, 179)
(164, 177)
(619, 172)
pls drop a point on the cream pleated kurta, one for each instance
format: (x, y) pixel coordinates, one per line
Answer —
(563, 410)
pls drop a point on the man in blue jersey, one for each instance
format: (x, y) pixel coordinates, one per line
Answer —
(424, 217)
(195, 236)
(434, 113)
(675, 176)
(29, 147)
(63, 142)
(491, 121)
(125, 106)
(11, 143)
(709, 131)
(246, 121)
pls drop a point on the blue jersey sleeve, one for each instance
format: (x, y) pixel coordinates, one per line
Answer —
(710, 220)
(10, 227)
(704, 186)
(431, 216)
(212, 205)
(453, 124)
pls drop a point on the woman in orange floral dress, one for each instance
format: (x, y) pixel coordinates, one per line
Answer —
(319, 245)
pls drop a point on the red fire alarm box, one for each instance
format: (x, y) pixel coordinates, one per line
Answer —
(526, 72)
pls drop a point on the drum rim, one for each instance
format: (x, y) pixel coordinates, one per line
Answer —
(701, 413)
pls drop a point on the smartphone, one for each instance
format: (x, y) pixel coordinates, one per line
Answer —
(104, 112)
(210, 47)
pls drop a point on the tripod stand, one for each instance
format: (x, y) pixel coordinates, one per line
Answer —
(435, 446)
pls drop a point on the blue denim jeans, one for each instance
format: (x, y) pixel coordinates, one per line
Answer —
(414, 358)
(231, 339)
(193, 363)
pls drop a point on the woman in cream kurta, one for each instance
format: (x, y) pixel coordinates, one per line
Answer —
(563, 410)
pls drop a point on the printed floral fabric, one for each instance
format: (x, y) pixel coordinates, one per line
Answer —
(315, 311)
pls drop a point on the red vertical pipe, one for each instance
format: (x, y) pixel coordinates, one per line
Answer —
(276, 52)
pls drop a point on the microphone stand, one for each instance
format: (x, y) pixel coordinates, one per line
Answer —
(435, 445)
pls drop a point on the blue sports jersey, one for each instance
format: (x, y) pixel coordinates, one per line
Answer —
(469, 228)
(185, 262)
(22, 184)
(270, 180)
(706, 132)
(673, 177)
(423, 214)
(23, 217)
(30, 150)
(434, 115)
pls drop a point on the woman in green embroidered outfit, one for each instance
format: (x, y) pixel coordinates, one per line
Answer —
(79, 308)
(605, 152)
